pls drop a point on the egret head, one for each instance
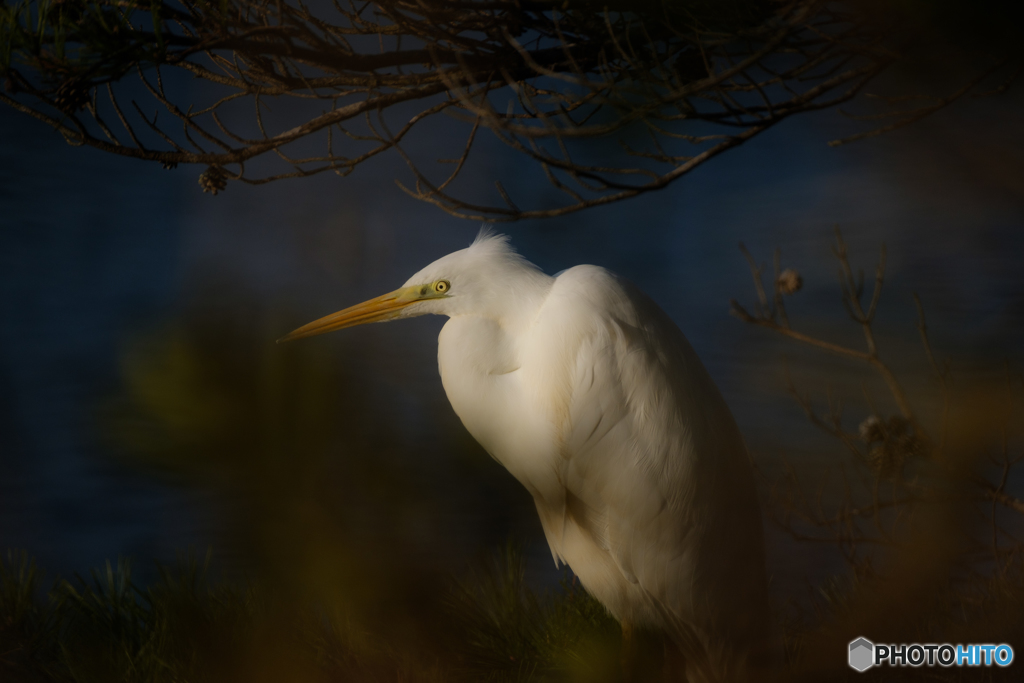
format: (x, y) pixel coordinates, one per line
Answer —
(487, 278)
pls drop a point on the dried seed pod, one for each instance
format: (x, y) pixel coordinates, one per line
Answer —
(912, 446)
(790, 281)
(871, 429)
(894, 444)
(896, 425)
(886, 460)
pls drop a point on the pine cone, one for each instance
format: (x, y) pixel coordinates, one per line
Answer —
(170, 165)
(790, 281)
(71, 96)
(212, 180)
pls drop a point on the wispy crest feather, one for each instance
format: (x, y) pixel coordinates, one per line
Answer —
(496, 246)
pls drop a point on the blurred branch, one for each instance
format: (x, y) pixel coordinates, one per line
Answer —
(852, 291)
(896, 468)
(997, 495)
(941, 373)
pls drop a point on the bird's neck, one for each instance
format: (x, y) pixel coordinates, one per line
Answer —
(522, 298)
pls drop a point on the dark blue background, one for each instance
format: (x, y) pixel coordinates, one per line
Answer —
(97, 252)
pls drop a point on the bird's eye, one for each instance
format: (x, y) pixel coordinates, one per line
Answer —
(442, 286)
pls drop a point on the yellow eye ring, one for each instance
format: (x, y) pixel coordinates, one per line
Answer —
(442, 286)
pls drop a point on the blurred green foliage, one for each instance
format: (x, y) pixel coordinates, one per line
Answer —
(489, 626)
(186, 627)
(76, 39)
(321, 497)
(318, 498)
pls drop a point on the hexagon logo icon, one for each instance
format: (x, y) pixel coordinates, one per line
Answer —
(862, 654)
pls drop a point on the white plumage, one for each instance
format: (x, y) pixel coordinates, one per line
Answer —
(588, 393)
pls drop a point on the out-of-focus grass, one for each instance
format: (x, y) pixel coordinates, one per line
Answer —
(508, 633)
(184, 627)
(489, 626)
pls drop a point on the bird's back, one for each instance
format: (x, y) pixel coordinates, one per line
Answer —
(636, 465)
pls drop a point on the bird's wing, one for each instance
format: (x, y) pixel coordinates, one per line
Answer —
(647, 443)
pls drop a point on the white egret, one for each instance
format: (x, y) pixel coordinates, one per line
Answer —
(588, 393)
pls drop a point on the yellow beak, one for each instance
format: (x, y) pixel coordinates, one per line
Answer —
(379, 309)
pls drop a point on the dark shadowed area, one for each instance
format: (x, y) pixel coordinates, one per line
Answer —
(145, 408)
